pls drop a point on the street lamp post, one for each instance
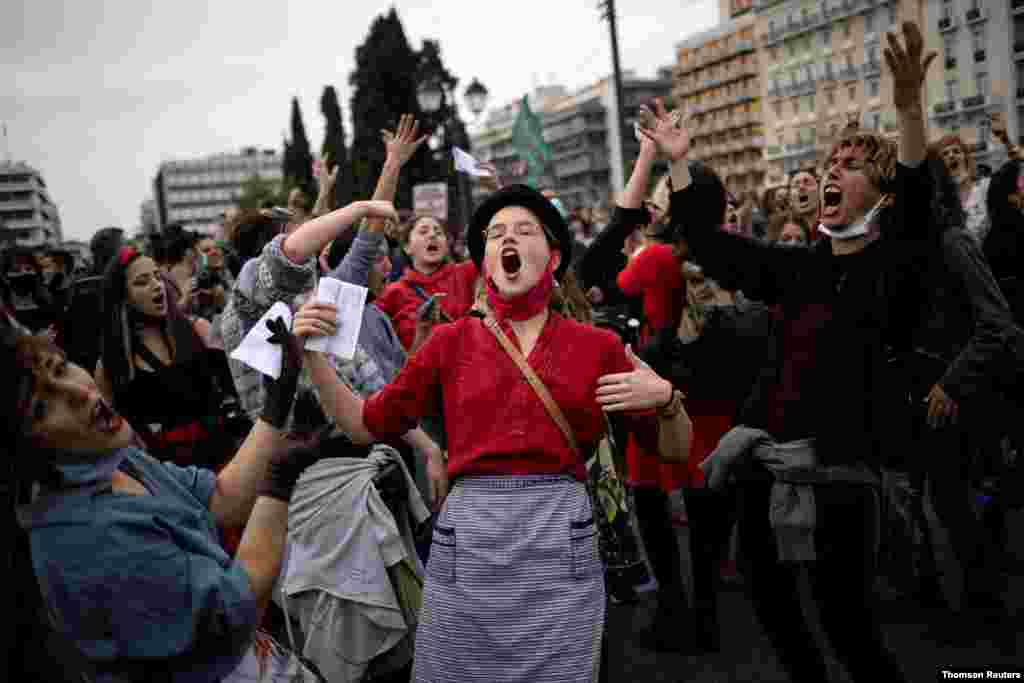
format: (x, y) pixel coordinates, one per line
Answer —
(435, 101)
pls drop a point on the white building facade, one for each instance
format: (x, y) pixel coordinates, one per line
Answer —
(28, 216)
(197, 192)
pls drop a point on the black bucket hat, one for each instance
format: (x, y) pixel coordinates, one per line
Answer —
(532, 200)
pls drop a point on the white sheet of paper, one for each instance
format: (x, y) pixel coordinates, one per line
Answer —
(255, 351)
(350, 300)
(467, 164)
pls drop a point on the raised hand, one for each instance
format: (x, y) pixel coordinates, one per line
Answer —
(666, 130)
(907, 66)
(402, 144)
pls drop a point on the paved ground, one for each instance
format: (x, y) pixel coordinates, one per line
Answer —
(747, 656)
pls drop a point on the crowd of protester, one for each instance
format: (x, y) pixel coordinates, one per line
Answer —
(807, 367)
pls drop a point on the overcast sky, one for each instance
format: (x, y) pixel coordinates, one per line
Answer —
(96, 94)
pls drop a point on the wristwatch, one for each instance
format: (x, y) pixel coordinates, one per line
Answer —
(673, 407)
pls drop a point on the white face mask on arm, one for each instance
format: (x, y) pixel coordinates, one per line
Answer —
(854, 230)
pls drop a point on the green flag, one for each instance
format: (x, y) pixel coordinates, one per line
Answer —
(528, 140)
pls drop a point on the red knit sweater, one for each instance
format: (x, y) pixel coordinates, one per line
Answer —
(496, 423)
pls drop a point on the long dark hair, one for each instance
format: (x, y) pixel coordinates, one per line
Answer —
(121, 324)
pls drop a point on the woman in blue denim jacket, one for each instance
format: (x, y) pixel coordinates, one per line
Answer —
(124, 547)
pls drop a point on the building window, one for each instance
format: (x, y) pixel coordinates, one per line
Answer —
(978, 37)
(796, 106)
(872, 54)
(809, 103)
(952, 89)
(894, 17)
(826, 36)
(778, 110)
(831, 94)
(851, 92)
(981, 78)
(869, 21)
(791, 48)
(873, 120)
(947, 9)
(874, 87)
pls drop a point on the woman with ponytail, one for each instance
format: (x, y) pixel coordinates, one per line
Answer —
(156, 367)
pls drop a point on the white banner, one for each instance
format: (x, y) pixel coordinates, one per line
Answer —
(431, 198)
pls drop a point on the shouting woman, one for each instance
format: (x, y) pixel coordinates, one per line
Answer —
(514, 557)
(157, 369)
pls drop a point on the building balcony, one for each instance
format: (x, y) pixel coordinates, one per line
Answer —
(805, 87)
(973, 102)
(942, 109)
(947, 24)
(871, 68)
(980, 55)
(848, 73)
(976, 15)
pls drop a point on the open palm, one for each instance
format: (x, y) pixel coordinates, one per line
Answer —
(666, 130)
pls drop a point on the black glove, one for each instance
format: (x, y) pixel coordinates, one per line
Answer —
(279, 394)
(287, 466)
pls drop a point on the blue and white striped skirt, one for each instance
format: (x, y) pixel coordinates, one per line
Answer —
(515, 587)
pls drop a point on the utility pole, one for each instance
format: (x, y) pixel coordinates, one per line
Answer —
(618, 159)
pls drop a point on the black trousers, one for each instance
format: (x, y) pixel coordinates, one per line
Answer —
(842, 579)
(944, 458)
(662, 546)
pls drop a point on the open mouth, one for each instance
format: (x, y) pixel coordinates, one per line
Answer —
(159, 300)
(831, 197)
(511, 262)
(433, 249)
(105, 419)
(803, 200)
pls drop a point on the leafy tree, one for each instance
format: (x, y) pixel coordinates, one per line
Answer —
(334, 146)
(383, 88)
(257, 190)
(298, 160)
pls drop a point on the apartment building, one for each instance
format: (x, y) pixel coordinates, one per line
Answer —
(197, 192)
(978, 70)
(590, 158)
(28, 216)
(718, 82)
(822, 69)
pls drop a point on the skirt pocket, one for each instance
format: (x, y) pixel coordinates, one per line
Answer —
(586, 559)
(441, 565)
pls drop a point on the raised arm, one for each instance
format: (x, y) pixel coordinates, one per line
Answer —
(311, 237)
(401, 145)
(908, 69)
(601, 258)
(697, 205)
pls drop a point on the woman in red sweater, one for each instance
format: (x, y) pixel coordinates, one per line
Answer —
(514, 558)
(426, 242)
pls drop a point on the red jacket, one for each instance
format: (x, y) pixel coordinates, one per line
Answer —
(656, 273)
(400, 300)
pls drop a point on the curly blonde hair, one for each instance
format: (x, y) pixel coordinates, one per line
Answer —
(880, 154)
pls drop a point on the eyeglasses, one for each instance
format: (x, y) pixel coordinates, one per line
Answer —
(523, 229)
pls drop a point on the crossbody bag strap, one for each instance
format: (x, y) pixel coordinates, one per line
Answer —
(538, 386)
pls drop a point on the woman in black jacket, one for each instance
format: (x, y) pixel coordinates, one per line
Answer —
(820, 402)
